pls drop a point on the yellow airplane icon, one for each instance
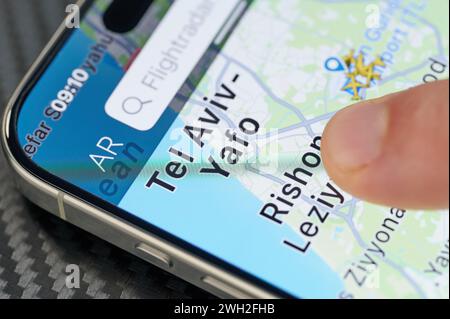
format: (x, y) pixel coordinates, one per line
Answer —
(354, 85)
(356, 67)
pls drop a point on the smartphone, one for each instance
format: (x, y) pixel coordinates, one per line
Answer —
(188, 133)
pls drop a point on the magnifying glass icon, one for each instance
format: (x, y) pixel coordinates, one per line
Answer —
(133, 105)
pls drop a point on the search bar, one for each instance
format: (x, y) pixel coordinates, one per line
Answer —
(167, 59)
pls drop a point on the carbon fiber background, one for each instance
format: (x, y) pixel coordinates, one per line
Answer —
(36, 247)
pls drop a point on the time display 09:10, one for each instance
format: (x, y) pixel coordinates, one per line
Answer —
(73, 86)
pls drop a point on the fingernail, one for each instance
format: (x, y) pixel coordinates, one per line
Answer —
(356, 135)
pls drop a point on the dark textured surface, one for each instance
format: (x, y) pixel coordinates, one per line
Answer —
(35, 247)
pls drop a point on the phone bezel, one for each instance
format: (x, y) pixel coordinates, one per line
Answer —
(12, 141)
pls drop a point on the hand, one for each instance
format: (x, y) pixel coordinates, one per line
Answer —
(393, 150)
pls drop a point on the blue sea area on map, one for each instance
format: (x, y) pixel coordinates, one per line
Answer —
(220, 216)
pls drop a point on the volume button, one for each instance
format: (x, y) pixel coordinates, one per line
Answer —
(155, 255)
(61, 208)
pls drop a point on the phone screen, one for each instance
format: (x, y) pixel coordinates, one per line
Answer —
(205, 122)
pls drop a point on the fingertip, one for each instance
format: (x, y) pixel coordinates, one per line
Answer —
(394, 150)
